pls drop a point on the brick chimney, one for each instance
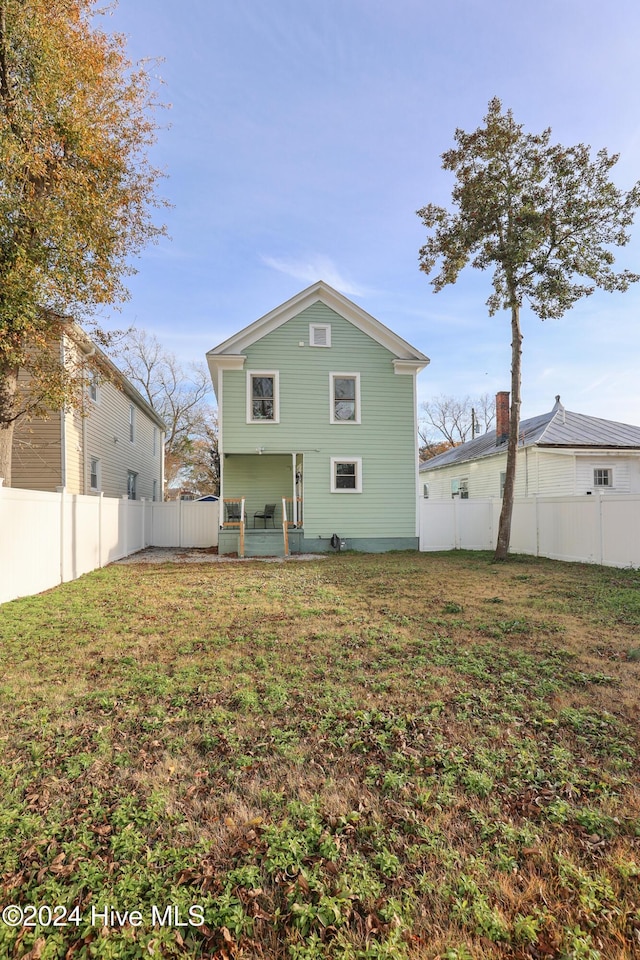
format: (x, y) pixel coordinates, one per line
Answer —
(502, 416)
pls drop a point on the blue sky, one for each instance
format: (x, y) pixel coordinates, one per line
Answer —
(303, 136)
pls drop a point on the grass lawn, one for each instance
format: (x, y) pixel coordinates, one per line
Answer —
(401, 756)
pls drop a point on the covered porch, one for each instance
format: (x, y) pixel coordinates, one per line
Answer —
(261, 504)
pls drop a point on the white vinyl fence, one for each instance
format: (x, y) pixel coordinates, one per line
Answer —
(602, 529)
(50, 538)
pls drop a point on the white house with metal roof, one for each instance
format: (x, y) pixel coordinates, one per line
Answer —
(560, 453)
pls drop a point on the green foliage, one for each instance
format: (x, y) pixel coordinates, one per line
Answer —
(544, 218)
(485, 804)
(539, 214)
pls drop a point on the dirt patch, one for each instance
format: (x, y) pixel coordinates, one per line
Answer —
(205, 555)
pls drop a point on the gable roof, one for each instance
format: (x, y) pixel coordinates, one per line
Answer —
(558, 428)
(319, 291)
(89, 348)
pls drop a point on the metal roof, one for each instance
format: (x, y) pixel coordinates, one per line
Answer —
(558, 428)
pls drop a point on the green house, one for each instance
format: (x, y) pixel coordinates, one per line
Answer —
(318, 433)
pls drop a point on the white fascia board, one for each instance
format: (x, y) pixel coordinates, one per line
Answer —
(335, 301)
(599, 452)
(409, 366)
(217, 364)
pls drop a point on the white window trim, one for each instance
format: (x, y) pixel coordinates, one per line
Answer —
(276, 394)
(457, 490)
(98, 464)
(134, 474)
(132, 423)
(603, 486)
(312, 331)
(94, 386)
(334, 376)
(358, 463)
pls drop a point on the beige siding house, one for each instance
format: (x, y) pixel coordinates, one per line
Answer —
(113, 444)
(560, 453)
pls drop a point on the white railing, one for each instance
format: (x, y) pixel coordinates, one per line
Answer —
(602, 529)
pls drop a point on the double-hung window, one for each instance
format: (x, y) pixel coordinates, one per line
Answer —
(262, 397)
(132, 485)
(345, 397)
(94, 473)
(346, 475)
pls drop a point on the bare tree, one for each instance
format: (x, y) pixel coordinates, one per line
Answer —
(454, 420)
(180, 394)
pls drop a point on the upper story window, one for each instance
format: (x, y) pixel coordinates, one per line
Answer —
(603, 477)
(263, 397)
(345, 397)
(155, 441)
(93, 388)
(319, 334)
(132, 422)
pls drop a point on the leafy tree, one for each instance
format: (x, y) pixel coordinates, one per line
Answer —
(76, 189)
(179, 394)
(456, 419)
(544, 218)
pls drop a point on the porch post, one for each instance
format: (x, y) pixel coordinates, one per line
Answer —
(294, 500)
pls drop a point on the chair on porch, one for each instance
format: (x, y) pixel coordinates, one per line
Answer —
(234, 512)
(269, 513)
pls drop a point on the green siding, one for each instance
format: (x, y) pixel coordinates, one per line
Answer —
(385, 438)
(260, 480)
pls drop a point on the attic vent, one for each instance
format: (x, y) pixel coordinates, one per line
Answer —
(320, 334)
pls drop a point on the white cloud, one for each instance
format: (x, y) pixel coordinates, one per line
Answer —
(316, 267)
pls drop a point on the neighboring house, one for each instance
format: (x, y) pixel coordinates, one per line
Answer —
(317, 405)
(113, 444)
(560, 453)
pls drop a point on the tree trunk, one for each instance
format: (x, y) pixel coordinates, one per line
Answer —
(8, 390)
(504, 527)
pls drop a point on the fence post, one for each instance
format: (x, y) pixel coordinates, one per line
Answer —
(100, 499)
(61, 490)
(456, 525)
(600, 531)
(125, 514)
